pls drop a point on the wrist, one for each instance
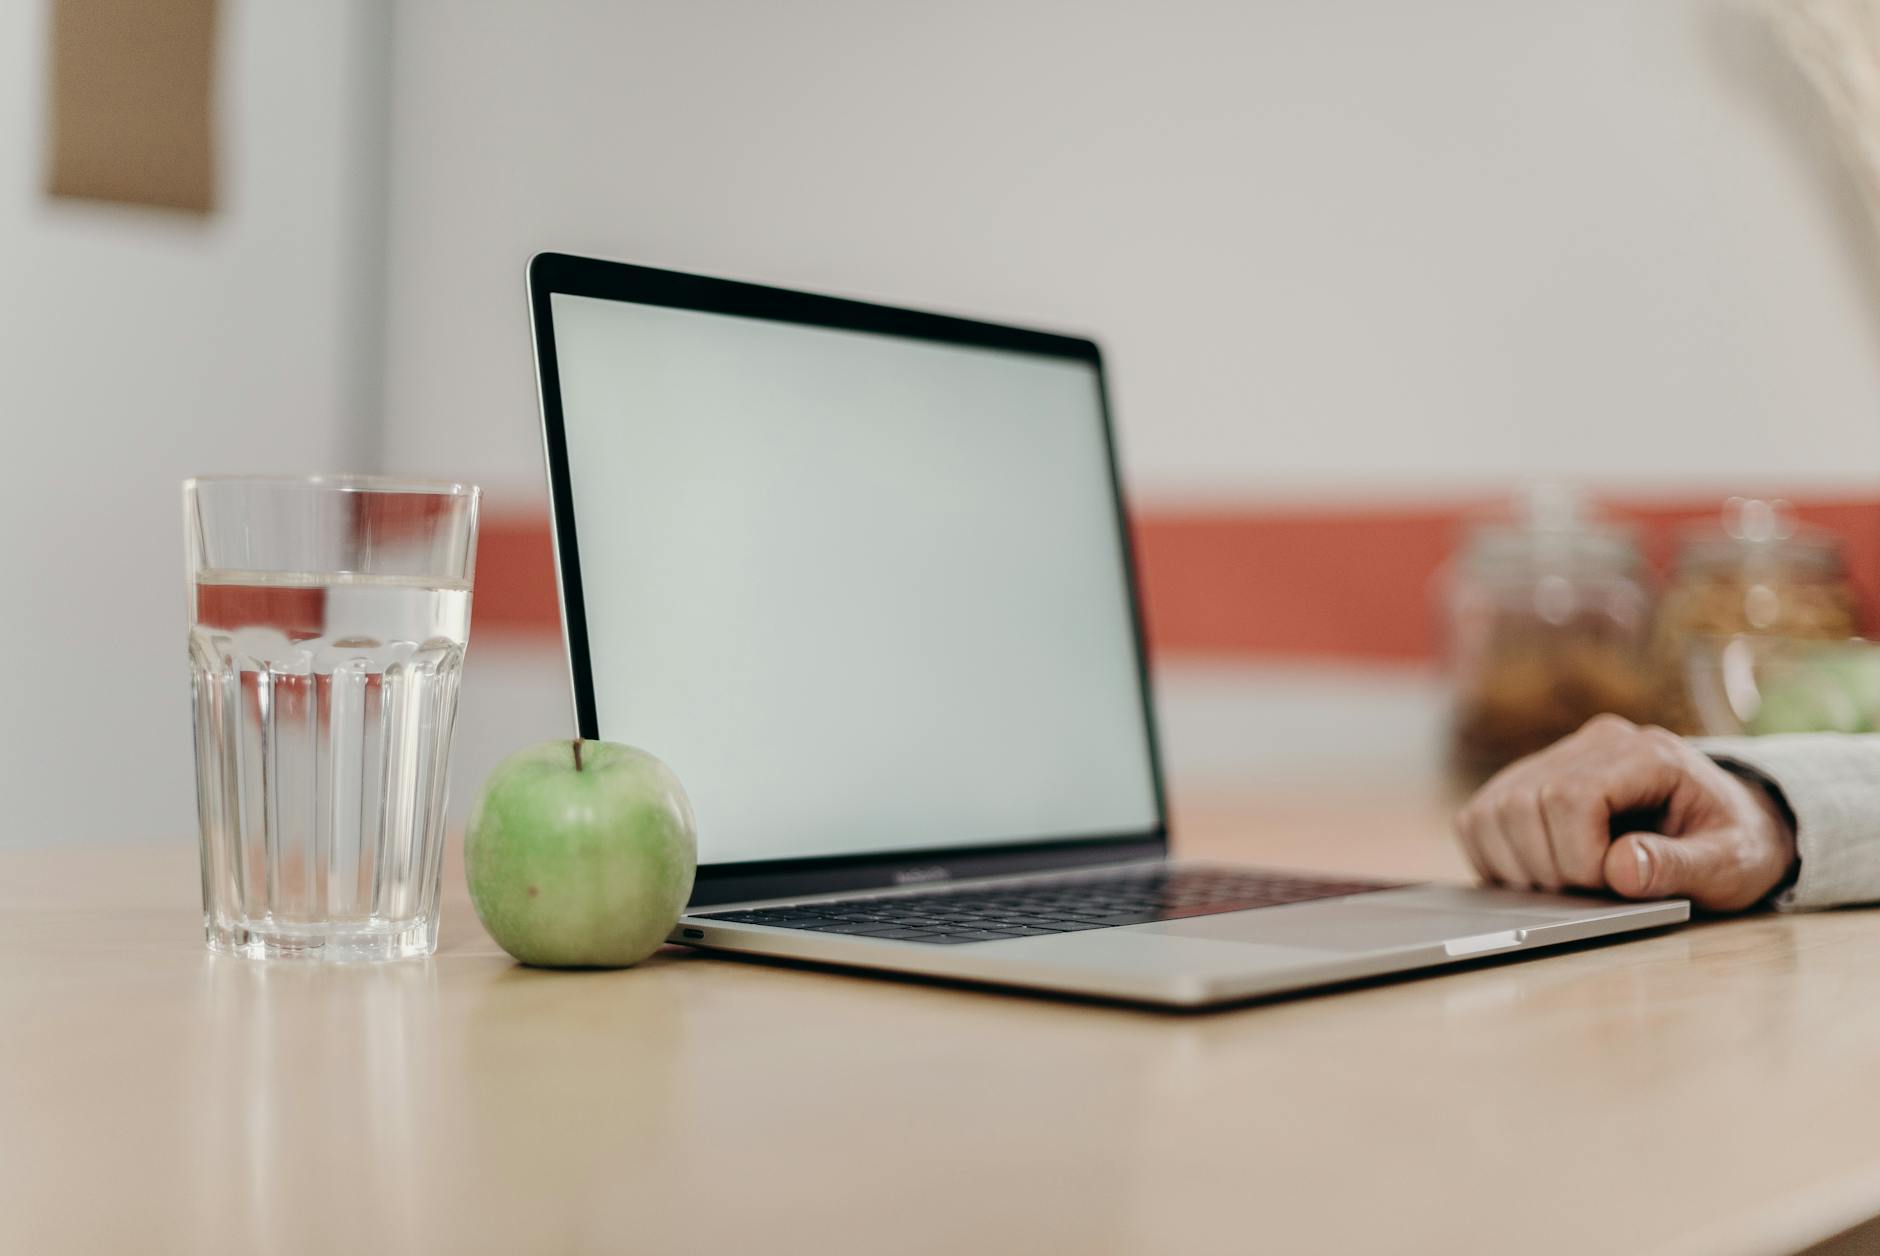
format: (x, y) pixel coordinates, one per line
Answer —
(1777, 816)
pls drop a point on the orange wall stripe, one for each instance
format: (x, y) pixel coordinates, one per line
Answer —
(515, 582)
(1359, 584)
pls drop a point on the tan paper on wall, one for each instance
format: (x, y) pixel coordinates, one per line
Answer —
(131, 106)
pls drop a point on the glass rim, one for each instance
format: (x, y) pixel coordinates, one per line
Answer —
(342, 482)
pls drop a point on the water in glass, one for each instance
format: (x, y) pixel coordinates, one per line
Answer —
(323, 712)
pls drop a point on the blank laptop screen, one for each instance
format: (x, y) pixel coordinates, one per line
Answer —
(864, 593)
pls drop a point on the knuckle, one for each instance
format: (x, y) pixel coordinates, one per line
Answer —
(1488, 798)
(1562, 799)
(1470, 813)
(1662, 738)
(1579, 856)
(1547, 795)
(1510, 809)
(1606, 724)
(1664, 747)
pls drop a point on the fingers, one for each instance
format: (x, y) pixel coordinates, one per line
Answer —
(1471, 846)
(1546, 821)
(1719, 869)
(1503, 866)
(1634, 767)
(1633, 868)
(1487, 850)
(1578, 831)
(1524, 829)
(1609, 767)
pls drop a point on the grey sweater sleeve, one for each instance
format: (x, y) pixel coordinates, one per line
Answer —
(1831, 782)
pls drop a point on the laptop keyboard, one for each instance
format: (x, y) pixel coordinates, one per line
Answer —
(1055, 905)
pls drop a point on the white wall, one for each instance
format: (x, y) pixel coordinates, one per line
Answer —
(140, 346)
(1334, 248)
(1349, 245)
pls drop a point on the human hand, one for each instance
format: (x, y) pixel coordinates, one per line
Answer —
(1637, 811)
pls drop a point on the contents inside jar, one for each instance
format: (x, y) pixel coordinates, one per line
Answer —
(1535, 682)
(1549, 621)
(1759, 575)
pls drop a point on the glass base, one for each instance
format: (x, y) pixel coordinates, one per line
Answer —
(355, 942)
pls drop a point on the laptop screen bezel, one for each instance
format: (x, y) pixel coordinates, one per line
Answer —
(552, 274)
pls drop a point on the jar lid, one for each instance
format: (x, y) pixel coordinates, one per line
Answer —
(1765, 534)
(1552, 531)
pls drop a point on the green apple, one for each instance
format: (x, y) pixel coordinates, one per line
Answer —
(1813, 700)
(581, 854)
(1820, 687)
(1855, 669)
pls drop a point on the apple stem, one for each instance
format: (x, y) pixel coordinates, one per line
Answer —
(577, 754)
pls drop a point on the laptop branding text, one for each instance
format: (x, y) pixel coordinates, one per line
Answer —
(920, 876)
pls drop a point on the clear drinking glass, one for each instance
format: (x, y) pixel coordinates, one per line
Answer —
(327, 623)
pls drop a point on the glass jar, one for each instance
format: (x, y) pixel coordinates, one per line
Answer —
(1549, 620)
(1760, 574)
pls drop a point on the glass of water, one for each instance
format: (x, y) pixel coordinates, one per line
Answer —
(327, 623)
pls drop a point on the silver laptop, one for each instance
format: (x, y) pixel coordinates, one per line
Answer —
(861, 575)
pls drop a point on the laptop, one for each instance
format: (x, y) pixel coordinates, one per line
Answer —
(861, 575)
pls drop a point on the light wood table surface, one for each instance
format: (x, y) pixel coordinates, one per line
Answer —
(1710, 1090)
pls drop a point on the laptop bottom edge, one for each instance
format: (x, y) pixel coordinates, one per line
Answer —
(1229, 958)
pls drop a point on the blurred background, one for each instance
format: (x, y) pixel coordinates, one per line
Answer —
(1439, 334)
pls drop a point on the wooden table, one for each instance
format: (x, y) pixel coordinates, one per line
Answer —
(1711, 1090)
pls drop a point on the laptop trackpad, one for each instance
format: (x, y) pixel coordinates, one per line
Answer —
(1348, 926)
